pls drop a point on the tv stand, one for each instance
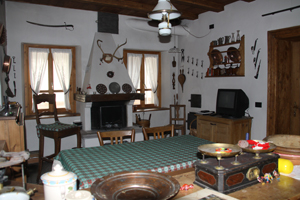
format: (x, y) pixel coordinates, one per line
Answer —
(223, 130)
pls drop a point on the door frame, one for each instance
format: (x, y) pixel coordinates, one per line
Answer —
(274, 72)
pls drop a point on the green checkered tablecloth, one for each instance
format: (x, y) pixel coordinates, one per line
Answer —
(161, 155)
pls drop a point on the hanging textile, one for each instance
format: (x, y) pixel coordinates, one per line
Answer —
(151, 75)
(62, 60)
(134, 62)
(38, 62)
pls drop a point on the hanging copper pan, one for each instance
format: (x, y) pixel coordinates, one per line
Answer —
(6, 64)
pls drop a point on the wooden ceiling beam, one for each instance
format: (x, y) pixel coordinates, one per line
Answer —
(204, 4)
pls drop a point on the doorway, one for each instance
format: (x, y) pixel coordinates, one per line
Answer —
(283, 114)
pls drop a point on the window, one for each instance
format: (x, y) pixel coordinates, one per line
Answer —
(144, 68)
(50, 69)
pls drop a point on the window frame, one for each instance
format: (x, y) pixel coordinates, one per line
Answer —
(27, 89)
(142, 90)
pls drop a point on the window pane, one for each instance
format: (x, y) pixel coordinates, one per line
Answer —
(60, 100)
(56, 82)
(137, 101)
(44, 81)
(149, 97)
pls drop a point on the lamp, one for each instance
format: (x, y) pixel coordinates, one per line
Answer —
(164, 11)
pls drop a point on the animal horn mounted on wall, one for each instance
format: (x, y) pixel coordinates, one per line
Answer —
(109, 57)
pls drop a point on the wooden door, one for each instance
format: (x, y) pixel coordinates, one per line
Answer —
(295, 89)
(283, 116)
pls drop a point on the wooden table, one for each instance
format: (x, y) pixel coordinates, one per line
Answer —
(286, 188)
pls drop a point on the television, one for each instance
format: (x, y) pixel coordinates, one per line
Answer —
(231, 103)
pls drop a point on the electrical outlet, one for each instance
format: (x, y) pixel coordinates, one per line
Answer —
(212, 26)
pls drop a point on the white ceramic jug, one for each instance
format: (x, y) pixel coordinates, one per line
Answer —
(58, 183)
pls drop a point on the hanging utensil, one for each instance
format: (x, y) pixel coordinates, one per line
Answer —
(256, 76)
(255, 59)
(174, 62)
(181, 78)
(253, 47)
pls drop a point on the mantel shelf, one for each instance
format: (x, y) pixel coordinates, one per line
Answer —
(107, 97)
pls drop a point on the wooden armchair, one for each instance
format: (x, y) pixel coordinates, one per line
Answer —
(158, 132)
(115, 136)
(56, 130)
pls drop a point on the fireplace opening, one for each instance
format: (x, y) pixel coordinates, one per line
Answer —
(108, 115)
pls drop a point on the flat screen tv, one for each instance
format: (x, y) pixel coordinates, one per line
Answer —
(231, 103)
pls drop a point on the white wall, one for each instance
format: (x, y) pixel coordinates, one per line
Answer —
(84, 22)
(246, 17)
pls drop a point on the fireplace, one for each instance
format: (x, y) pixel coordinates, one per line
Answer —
(108, 115)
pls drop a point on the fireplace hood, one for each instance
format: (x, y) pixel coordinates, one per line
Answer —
(106, 81)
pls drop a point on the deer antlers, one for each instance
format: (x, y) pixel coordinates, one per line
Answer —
(109, 57)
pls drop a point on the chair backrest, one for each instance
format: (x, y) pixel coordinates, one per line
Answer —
(116, 136)
(177, 114)
(50, 98)
(158, 132)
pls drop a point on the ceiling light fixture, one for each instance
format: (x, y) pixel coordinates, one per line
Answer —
(164, 11)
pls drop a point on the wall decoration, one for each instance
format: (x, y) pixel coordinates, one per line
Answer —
(192, 61)
(188, 71)
(255, 59)
(54, 26)
(192, 72)
(201, 63)
(174, 62)
(257, 72)
(188, 59)
(173, 81)
(110, 74)
(182, 55)
(197, 62)
(181, 78)
(197, 74)
(254, 46)
(126, 88)
(109, 57)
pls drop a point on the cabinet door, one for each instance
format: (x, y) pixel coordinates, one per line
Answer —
(206, 130)
(222, 133)
(241, 130)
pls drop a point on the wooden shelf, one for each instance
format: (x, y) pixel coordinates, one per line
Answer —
(229, 72)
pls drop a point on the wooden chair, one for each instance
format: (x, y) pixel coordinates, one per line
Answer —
(158, 132)
(178, 117)
(116, 136)
(56, 130)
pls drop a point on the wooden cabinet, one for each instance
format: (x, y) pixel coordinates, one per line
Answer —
(12, 130)
(226, 60)
(223, 130)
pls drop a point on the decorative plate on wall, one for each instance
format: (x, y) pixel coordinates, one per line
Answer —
(234, 54)
(114, 88)
(101, 88)
(126, 88)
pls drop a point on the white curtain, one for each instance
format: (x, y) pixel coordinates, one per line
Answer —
(38, 61)
(151, 74)
(134, 62)
(62, 59)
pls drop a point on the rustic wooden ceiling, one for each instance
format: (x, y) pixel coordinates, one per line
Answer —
(190, 9)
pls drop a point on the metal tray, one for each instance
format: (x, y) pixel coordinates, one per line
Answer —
(135, 185)
(270, 149)
(210, 149)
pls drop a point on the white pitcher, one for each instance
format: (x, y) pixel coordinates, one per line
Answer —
(58, 183)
